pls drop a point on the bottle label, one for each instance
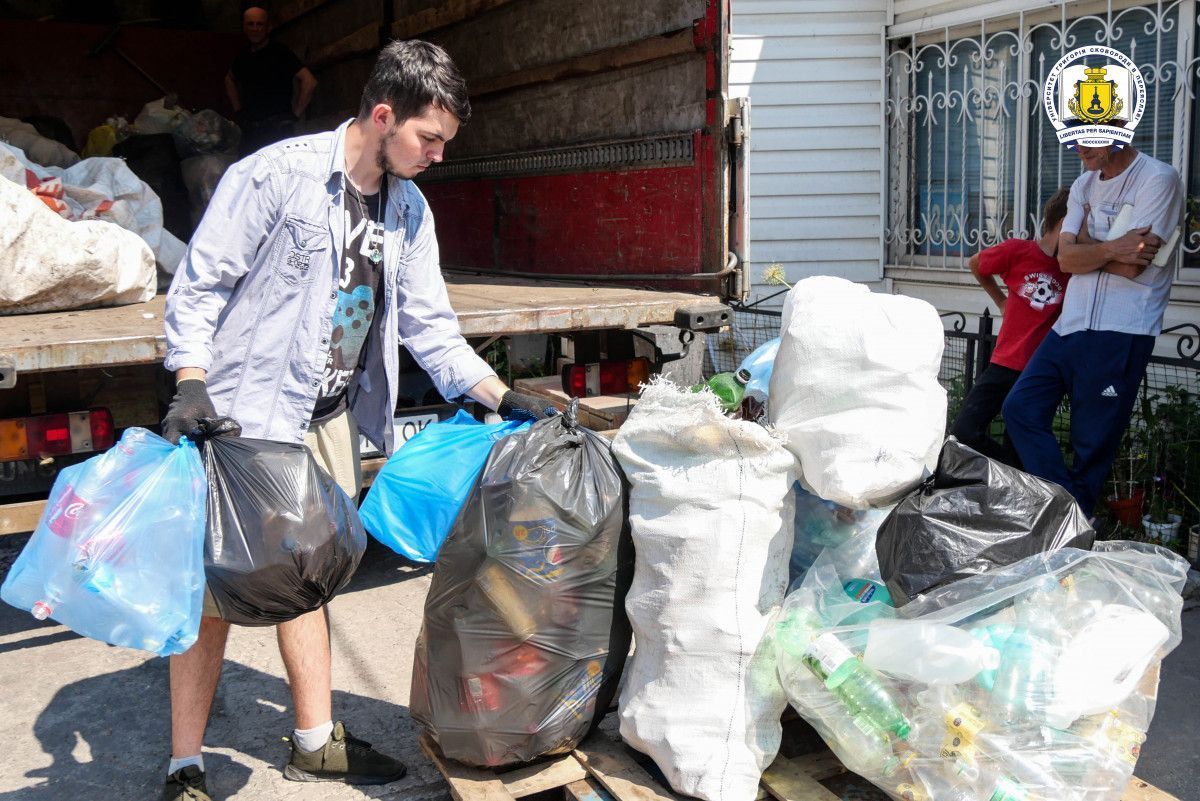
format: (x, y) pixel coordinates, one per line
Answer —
(965, 721)
(829, 652)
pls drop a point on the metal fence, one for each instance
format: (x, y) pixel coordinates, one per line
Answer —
(1159, 457)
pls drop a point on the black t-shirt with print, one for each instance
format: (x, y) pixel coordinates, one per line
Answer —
(358, 293)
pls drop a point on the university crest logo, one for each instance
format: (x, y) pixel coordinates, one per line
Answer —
(1095, 96)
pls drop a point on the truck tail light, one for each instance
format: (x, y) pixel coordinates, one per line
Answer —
(56, 434)
(609, 377)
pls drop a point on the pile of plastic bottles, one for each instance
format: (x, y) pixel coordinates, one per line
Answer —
(1034, 682)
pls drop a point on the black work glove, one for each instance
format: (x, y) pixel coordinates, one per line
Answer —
(516, 407)
(191, 414)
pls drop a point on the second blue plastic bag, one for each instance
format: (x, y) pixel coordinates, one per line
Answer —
(118, 555)
(417, 495)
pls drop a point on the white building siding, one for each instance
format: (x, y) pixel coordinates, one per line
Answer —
(813, 70)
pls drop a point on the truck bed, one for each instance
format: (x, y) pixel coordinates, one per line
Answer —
(486, 306)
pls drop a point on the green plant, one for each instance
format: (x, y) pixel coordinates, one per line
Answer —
(1129, 468)
(1171, 422)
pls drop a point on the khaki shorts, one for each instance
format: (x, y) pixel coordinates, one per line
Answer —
(334, 444)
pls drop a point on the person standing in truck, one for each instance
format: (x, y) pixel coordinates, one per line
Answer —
(315, 259)
(268, 87)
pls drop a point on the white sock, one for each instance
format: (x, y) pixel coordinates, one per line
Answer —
(312, 739)
(176, 764)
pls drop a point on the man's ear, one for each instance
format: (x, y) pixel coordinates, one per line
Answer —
(383, 117)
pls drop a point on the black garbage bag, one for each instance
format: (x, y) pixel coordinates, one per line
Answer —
(282, 537)
(973, 514)
(525, 633)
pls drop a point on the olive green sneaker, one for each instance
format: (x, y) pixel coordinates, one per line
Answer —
(343, 759)
(186, 784)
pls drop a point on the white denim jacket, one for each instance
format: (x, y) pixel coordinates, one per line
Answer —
(253, 300)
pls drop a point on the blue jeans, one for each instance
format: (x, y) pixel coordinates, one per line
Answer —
(1100, 371)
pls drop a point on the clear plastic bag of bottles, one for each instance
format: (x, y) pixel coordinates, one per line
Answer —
(524, 635)
(283, 538)
(118, 553)
(1032, 682)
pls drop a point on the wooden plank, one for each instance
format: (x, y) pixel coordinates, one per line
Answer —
(586, 790)
(612, 58)
(788, 781)
(486, 306)
(1139, 790)
(371, 468)
(284, 12)
(442, 16)
(543, 776)
(466, 783)
(360, 42)
(618, 772)
(820, 766)
(19, 518)
(599, 412)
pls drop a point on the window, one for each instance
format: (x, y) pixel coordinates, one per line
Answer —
(972, 155)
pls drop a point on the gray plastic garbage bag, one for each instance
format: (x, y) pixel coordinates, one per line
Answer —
(974, 514)
(525, 634)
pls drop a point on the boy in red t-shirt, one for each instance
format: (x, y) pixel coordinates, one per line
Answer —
(1035, 292)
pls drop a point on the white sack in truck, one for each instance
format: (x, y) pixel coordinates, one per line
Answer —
(40, 149)
(100, 189)
(51, 264)
(710, 510)
(855, 390)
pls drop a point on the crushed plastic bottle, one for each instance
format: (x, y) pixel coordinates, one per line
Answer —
(925, 652)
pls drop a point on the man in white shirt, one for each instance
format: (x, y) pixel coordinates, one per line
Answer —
(1097, 352)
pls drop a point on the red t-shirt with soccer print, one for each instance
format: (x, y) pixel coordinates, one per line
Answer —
(1035, 294)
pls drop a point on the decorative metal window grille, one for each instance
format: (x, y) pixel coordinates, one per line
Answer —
(972, 156)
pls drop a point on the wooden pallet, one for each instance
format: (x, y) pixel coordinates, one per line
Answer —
(603, 769)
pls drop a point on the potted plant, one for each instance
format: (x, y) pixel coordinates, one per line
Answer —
(1128, 495)
(1161, 524)
(1171, 420)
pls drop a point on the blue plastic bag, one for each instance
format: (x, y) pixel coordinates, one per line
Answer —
(118, 555)
(761, 363)
(417, 495)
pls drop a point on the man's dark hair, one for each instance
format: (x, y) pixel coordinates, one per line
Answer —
(1055, 209)
(411, 75)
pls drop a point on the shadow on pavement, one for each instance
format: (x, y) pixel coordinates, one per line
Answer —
(111, 732)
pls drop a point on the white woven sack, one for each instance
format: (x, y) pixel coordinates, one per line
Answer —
(50, 264)
(855, 390)
(108, 184)
(710, 509)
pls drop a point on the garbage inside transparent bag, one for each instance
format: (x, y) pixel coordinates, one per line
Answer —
(524, 636)
(118, 553)
(1014, 716)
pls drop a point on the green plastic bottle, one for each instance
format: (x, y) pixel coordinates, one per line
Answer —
(861, 690)
(1007, 789)
(729, 388)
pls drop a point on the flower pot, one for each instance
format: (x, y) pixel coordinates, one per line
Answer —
(1193, 548)
(1128, 511)
(1164, 533)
